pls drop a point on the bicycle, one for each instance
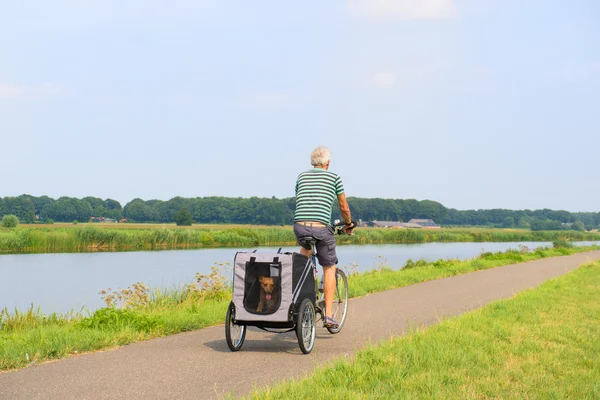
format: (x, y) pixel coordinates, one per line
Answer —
(307, 296)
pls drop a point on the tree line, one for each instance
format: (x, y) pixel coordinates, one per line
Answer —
(31, 209)
(274, 211)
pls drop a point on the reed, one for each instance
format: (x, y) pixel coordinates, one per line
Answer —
(88, 237)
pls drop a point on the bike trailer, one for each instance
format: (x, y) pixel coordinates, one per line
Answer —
(291, 279)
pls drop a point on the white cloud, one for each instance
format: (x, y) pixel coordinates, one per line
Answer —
(423, 73)
(483, 71)
(400, 78)
(400, 9)
(10, 92)
(383, 79)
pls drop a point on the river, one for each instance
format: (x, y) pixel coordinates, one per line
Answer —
(63, 282)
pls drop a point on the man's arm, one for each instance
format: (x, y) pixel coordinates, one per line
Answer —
(344, 208)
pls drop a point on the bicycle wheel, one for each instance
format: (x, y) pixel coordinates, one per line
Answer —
(306, 328)
(234, 334)
(340, 301)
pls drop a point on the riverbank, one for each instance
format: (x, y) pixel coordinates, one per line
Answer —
(541, 344)
(109, 237)
(137, 314)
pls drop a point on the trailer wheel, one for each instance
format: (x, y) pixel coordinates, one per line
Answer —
(234, 333)
(306, 328)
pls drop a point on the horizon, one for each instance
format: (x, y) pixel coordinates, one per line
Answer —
(475, 105)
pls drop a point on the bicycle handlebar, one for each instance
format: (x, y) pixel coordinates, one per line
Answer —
(339, 226)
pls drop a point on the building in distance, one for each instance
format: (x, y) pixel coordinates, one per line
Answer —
(413, 223)
(425, 223)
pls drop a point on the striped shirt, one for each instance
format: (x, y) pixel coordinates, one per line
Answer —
(316, 190)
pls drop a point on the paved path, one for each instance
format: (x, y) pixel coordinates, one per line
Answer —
(198, 365)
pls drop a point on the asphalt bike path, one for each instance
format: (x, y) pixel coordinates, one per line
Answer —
(199, 365)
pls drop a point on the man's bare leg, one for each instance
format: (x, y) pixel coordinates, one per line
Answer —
(305, 252)
(329, 289)
(328, 286)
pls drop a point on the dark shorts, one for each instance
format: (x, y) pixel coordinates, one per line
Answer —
(325, 242)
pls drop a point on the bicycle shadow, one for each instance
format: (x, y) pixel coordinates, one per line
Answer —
(268, 343)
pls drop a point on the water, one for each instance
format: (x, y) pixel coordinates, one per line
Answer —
(63, 282)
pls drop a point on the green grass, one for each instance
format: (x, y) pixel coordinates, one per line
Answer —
(33, 337)
(420, 271)
(105, 237)
(46, 338)
(543, 344)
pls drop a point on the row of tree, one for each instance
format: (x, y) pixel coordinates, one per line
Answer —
(535, 219)
(273, 211)
(30, 209)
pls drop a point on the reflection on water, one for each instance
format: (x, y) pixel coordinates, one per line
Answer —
(62, 282)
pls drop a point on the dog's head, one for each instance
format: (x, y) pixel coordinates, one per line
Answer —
(268, 284)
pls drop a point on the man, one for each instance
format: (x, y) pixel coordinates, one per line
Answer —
(316, 190)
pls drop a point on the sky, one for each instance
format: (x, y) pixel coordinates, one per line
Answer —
(472, 103)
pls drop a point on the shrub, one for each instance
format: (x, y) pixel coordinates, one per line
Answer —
(114, 318)
(212, 286)
(510, 254)
(75, 222)
(540, 253)
(130, 298)
(10, 221)
(32, 317)
(562, 244)
(412, 264)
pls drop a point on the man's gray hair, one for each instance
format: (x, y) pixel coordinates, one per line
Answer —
(320, 156)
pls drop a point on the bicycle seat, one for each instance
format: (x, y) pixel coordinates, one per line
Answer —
(307, 242)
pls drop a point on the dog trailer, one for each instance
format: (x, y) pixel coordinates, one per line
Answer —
(293, 281)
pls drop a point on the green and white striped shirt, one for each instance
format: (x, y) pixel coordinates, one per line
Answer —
(316, 190)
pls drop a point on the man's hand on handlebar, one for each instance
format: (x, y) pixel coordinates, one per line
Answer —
(346, 229)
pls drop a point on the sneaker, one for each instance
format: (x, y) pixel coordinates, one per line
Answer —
(330, 323)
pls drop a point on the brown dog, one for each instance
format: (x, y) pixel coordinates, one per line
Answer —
(269, 296)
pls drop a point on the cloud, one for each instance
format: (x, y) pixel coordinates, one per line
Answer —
(423, 73)
(400, 78)
(383, 79)
(400, 9)
(11, 92)
(483, 71)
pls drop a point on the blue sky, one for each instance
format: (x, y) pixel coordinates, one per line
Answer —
(473, 103)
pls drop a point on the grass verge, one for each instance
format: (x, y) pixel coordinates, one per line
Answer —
(543, 344)
(137, 313)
